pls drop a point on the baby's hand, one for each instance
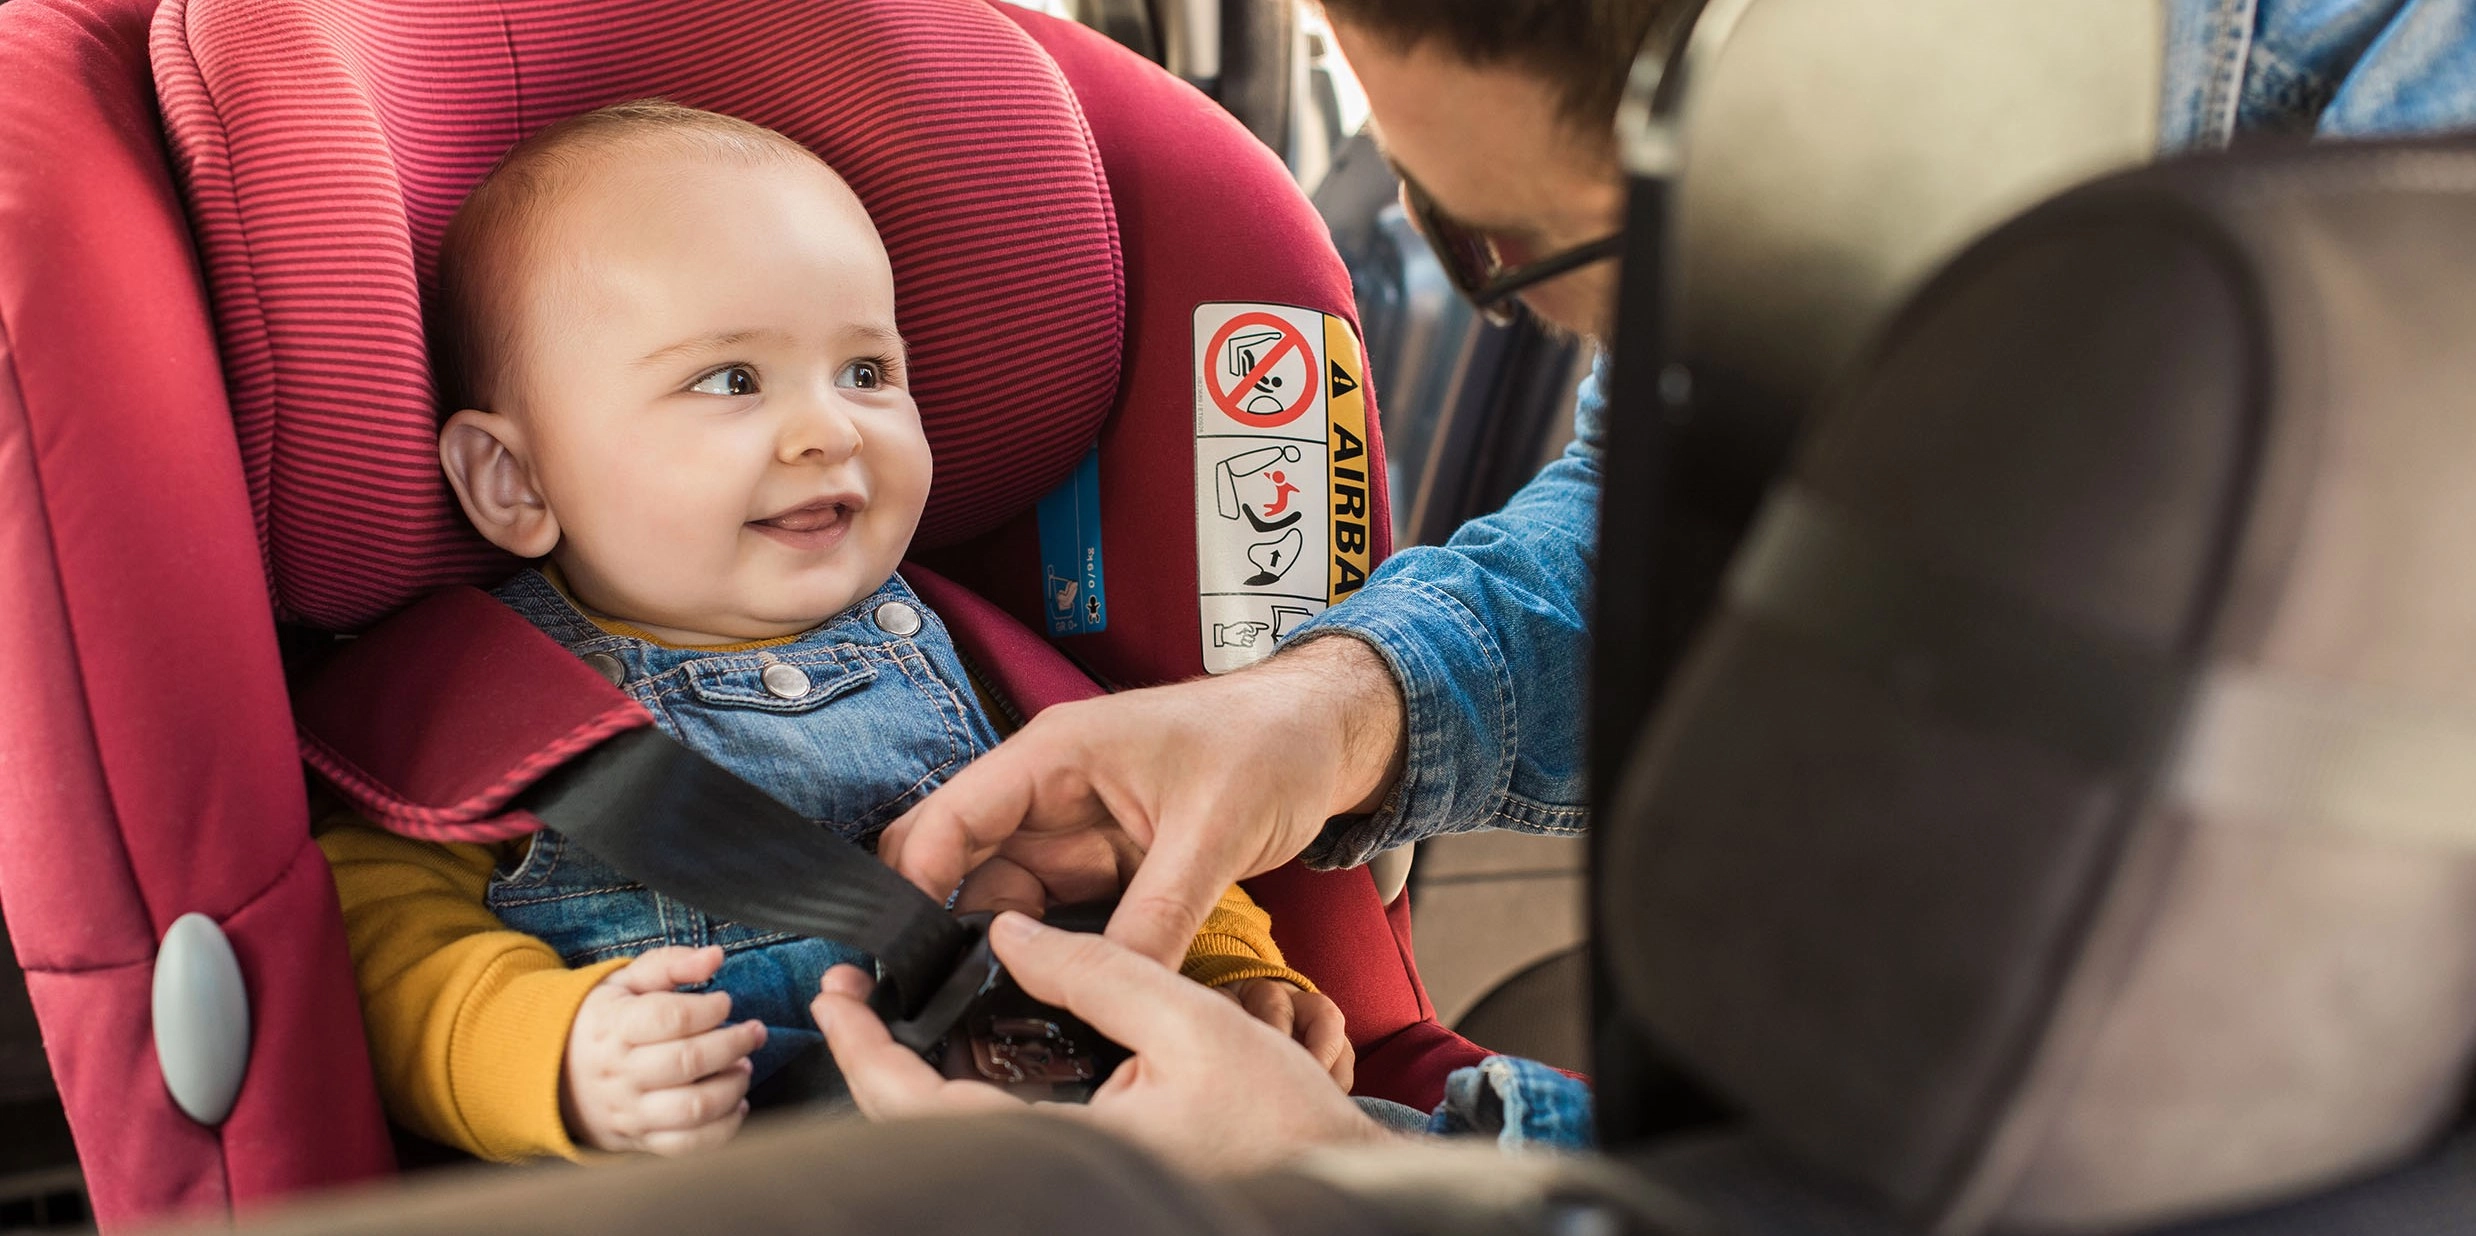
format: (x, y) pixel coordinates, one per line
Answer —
(1314, 1020)
(647, 1068)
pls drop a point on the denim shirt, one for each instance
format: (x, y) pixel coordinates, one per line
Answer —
(849, 724)
(2332, 68)
(1485, 634)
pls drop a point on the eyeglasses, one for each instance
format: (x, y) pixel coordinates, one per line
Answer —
(1476, 267)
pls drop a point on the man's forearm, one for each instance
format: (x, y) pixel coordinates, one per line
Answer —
(1350, 681)
(1486, 643)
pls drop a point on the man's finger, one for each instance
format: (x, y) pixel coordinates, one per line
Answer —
(665, 968)
(1167, 899)
(848, 981)
(960, 823)
(1001, 884)
(659, 1017)
(676, 1142)
(676, 1063)
(1136, 1001)
(1083, 860)
(887, 1080)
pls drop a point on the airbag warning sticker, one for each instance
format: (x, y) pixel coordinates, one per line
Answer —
(1281, 481)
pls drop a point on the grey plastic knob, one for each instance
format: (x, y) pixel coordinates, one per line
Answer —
(201, 1018)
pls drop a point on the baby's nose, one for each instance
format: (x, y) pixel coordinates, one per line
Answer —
(825, 434)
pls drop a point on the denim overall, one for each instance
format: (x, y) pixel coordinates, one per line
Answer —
(849, 724)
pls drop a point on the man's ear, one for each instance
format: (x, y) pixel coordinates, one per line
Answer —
(483, 453)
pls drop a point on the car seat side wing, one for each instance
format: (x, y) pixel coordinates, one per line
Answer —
(370, 719)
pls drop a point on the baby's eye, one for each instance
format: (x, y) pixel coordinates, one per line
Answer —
(728, 380)
(866, 375)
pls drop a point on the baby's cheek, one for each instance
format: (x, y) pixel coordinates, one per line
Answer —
(909, 473)
(659, 535)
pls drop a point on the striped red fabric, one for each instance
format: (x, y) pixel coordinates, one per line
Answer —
(322, 145)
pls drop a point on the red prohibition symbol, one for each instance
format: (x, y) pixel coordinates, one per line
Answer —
(1234, 402)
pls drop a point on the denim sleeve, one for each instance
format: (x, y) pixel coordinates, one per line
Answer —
(1523, 1104)
(1486, 636)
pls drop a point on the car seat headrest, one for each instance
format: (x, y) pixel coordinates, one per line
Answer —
(322, 147)
(1839, 151)
(2062, 823)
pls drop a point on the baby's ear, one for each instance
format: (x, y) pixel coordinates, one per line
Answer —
(483, 453)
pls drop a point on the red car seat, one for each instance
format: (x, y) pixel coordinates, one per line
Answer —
(179, 482)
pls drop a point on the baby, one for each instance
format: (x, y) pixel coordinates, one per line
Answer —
(671, 337)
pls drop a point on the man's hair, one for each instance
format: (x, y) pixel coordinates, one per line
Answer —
(1583, 47)
(471, 335)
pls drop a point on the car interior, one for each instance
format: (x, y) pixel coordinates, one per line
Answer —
(2027, 720)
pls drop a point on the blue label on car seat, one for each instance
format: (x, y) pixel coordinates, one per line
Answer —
(1076, 592)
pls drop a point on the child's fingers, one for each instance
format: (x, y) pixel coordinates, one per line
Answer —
(696, 1104)
(1271, 1003)
(654, 1066)
(659, 1017)
(1325, 1034)
(667, 967)
(675, 1142)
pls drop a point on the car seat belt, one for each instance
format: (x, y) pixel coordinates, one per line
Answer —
(682, 825)
(456, 720)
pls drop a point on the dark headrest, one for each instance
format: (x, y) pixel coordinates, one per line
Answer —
(2065, 820)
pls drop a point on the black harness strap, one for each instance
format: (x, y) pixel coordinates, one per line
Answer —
(680, 824)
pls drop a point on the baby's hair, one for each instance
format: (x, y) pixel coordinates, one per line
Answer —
(469, 331)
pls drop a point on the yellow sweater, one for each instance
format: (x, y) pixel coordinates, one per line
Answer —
(468, 1021)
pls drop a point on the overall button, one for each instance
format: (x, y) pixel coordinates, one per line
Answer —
(607, 666)
(786, 681)
(896, 618)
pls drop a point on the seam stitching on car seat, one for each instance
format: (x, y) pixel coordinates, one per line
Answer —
(239, 908)
(245, 281)
(515, 79)
(392, 810)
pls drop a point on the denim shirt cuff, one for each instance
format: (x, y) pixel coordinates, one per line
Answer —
(1523, 1104)
(1457, 697)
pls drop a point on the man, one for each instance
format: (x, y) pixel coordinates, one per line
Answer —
(1447, 695)
(1470, 655)
(1444, 698)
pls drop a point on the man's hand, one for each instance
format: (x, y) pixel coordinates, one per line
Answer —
(651, 1068)
(1170, 793)
(1209, 1088)
(1311, 1018)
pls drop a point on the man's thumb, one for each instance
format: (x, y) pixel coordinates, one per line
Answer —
(1164, 905)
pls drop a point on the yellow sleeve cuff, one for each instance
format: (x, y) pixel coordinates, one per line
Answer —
(505, 1053)
(467, 1021)
(1236, 944)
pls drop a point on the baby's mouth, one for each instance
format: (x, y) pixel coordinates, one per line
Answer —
(812, 525)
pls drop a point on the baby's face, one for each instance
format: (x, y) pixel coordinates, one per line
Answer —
(713, 397)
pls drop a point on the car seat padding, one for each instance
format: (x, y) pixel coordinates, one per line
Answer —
(150, 767)
(322, 156)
